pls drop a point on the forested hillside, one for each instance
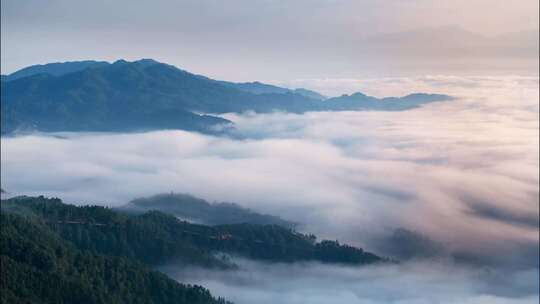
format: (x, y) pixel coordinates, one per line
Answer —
(38, 266)
(200, 211)
(155, 237)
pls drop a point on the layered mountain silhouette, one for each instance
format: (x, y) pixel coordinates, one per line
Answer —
(148, 95)
(58, 253)
(263, 88)
(55, 69)
(193, 209)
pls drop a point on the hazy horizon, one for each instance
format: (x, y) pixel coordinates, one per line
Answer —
(454, 168)
(272, 42)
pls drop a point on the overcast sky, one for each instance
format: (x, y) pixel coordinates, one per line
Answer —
(278, 40)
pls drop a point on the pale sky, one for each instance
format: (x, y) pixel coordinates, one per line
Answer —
(277, 40)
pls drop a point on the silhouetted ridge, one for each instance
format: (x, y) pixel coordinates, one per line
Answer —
(148, 95)
(157, 238)
(197, 210)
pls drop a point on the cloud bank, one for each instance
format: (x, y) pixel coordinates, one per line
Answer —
(412, 283)
(463, 173)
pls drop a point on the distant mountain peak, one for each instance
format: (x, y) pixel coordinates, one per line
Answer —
(147, 61)
(359, 94)
(148, 95)
(54, 69)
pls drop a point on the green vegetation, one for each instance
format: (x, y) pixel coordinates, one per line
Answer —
(55, 69)
(148, 95)
(57, 253)
(155, 237)
(200, 211)
(263, 88)
(37, 266)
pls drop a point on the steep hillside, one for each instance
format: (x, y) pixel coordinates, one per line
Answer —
(40, 267)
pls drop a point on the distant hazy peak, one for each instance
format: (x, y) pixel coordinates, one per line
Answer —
(359, 94)
(54, 69)
(197, 210)
(257, 87)
(89, 95)
(141, 62)
(310, 93)
(63, 68)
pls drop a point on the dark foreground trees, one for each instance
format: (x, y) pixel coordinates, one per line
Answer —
(37, 266)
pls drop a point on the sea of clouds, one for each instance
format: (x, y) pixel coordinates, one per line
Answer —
(407, 283)
(463, 172)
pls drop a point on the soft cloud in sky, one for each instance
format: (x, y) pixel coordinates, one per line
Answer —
(263, 40)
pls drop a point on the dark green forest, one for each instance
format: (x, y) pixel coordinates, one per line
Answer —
(40, 267)
(156, 237)
(52, 252)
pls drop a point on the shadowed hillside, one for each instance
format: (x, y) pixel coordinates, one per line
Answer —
(148, 95)
(198, 210)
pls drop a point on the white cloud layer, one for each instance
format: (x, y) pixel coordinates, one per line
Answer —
(411, 283)
(462, 172)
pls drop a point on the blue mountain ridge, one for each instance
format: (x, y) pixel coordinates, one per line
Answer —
(149, 95)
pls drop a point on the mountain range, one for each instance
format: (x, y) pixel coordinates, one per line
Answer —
(197, 210)
(58, 253)
(149, 95)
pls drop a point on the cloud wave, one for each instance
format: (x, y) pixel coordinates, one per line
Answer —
(463, 173)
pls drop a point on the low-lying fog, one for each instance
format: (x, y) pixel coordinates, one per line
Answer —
(411, 283)
(463, 173)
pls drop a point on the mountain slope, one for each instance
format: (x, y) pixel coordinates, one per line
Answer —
(54, 69)
(156, 238)
(118, 97)
(148, 95)
(263, 88)
(359, 101)
(40, 267)
(62, 68)
(200, 211)
(309, 94)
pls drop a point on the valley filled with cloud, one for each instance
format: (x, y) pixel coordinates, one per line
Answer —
(461, 173)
